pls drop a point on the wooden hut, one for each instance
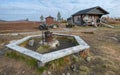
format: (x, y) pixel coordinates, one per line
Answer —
(49, 20)
(89, 16)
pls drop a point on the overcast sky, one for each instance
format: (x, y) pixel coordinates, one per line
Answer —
(33, 9)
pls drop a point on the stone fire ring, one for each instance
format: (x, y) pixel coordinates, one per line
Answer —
(47, 57)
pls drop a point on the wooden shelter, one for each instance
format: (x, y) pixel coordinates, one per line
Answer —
(49, 20)
(89, 16)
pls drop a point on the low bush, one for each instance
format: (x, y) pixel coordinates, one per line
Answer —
(41, 69)
(84, 68)
(24, 44)
(109, 73)
(64, 21)
(82, 73)
(58, 64)
(69, 25)
(54, 26)
(18, 56)
(28, 60)
(110, 67)
(43, 49)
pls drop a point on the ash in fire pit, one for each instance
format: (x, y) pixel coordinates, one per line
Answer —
(48, 40)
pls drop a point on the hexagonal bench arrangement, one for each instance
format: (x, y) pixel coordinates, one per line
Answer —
(47, 57)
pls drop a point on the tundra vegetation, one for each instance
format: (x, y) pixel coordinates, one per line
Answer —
(104, 55)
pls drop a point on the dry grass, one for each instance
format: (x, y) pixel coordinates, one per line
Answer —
(18, 26)
(105, 54)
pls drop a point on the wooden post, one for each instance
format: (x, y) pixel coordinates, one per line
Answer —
(81, 19)
(73, 19)
(42, 37)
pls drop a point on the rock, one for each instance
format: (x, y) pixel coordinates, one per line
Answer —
(40, 42)
(31, 42)
(23, 71)
(63, 73)
(52, 44)
(73, 68)
(114, 38)
(68, 73)
(49, 73)
(40, 64)
(88, 59)
(3, 51)
(17, 73)
(54, 26)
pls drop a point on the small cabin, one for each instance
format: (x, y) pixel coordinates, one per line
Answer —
(90, 16)
(49, 20)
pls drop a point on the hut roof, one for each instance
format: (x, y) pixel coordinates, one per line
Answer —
(50, 17)
(94, 10)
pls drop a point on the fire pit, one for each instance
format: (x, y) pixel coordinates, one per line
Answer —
(41, 47)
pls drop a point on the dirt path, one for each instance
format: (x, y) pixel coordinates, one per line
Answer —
(62, 30)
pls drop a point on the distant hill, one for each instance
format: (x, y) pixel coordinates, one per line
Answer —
(23, 20)
(2, 21)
